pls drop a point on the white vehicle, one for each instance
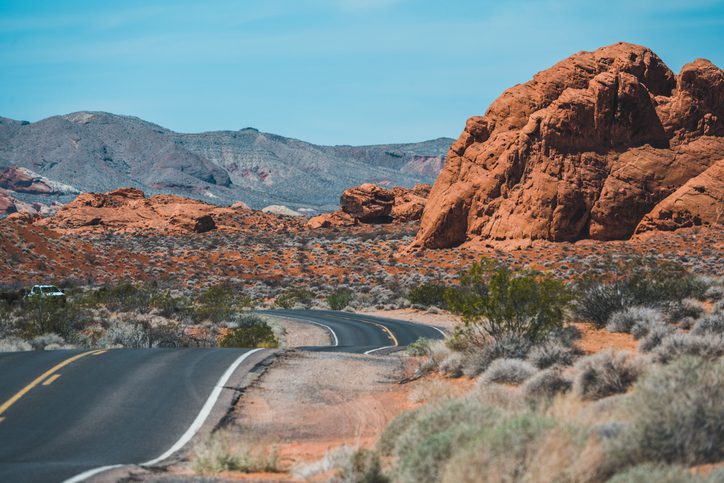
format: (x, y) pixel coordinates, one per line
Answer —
(44, 291)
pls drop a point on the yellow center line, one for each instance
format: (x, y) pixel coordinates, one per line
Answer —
(51, 380)
(97, 353)
(40, 379)
(389, 333)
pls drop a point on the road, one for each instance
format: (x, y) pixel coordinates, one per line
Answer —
(66, 413)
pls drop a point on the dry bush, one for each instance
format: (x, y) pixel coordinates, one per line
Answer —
(711, 324)
(626, 319)
(675, 414)
(606, 373)
(663, 473)
(507, 371)
(678, 345)
(545, 385)
(551, 353)
(509, 347)
(431, 391)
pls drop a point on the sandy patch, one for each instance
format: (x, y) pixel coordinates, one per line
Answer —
(300, 334)
(596, 340)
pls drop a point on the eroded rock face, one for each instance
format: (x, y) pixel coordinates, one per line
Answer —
(368, 203)
(700, 201)
(585, 149)
(409, 203)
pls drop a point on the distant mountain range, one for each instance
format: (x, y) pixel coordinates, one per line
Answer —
(98, 151)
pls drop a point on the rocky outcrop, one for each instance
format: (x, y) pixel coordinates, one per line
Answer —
(7, 204)
(332, 220)
(700, 201)
(409, 203)
(368, 203)
(585, 149)
(128, 209)
(23, 180)
(371, 204)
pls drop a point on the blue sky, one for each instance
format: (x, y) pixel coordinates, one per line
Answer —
(326, 71)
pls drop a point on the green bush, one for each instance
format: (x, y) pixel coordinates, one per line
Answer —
(219, 303)
(295, 296)
(253, 331)
(428, 295)
(340, 298)
(495, 302)
(676, 415)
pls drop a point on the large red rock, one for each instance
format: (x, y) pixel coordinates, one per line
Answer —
(584, 150)
(7, 203)
(22, 180)
(700, 201)
(409, 203)
(368, 203)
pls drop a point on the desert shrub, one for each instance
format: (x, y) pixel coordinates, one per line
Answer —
(677, 345)
(14, 344)
(676, 415)
(624, 320)
(250, 331)
(452, 365)
(166, 335)
(294, 297)
(360, 466)
(714, 293)
(507, 371)
(687, 308)
(220, 452)
(40, 342)
(510, 347)
(340, 298)
(49, 315)
(551, 352)
(606, 373)
(432, 434)
(596, 302)
(709, 324)
(496, 302)
(428, 295)
(421, 347)
(545, 385)
(641, 283)
(663, 473)
(500, 453)
(125, 334)
(654, 336)
(219, 303)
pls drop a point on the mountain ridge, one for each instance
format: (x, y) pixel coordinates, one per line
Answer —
(99, 151)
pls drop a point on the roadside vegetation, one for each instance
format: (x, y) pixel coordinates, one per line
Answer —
(543, 410)
(134, 316)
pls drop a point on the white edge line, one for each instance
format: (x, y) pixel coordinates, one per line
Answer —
(193, 429)
(87, 474)
(380, 348)
(300, 319)
(439, 330)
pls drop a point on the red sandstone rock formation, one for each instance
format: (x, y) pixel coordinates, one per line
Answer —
(368, 203)
(585, 149)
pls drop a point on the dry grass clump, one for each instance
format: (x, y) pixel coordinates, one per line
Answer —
(606, 373)
(552, 353)
(223, 451)
(430, 391)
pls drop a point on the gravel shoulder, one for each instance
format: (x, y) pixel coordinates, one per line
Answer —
(294, 334)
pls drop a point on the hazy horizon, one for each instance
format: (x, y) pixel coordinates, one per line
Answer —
(327, 72)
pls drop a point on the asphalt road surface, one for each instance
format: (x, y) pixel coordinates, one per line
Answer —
(69, 413)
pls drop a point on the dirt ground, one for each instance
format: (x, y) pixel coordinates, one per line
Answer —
(298, 334)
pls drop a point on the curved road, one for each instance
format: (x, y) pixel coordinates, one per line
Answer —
(65, 413)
